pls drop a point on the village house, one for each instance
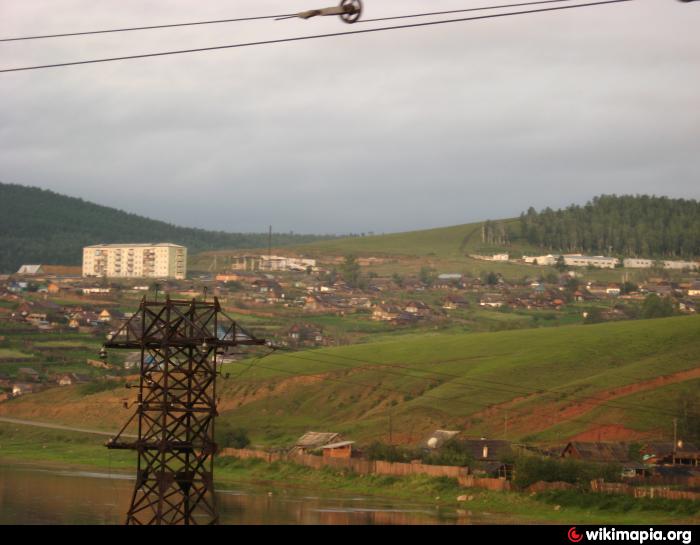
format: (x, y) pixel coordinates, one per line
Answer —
(386, 313)
(360, 302)
(613, 290)
(661, 289)
(605, 453)
(687, 306)
(492, 300)
(661, 452)
(93, 291)
(314, 440)
(271, 289)
(694, 290)
(36, 317)
(418, 308)
(448, 280)
(453, 302)
(320, 302)
(22, 388)
(69, 379)
(305, 334)
(53, 288)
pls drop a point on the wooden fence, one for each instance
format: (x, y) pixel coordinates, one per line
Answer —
(464, 478)
(643, 492)
(375, 467)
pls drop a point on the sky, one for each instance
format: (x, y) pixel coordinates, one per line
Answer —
(380, 132)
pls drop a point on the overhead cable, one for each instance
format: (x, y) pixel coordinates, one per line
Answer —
(310, 37)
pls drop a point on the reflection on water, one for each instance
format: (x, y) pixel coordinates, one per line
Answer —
(36, 496)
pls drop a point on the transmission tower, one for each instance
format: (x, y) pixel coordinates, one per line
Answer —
(179, 341)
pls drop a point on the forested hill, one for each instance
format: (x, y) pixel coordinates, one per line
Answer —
(623, 225)
(40, 226)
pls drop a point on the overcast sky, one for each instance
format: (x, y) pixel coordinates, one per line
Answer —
(386, 131)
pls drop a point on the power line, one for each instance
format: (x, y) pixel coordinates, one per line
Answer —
(311, 37)
(263, 17)
(482, 8)
(131, 29)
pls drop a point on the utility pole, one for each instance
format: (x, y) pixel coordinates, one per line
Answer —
(269, 245)
(179, 341)
(675, 438)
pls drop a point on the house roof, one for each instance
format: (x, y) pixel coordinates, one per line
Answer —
(439, 438)
(496, 449)
(660, 449)
(29, 269)
(600, 452)
(316, 439)
(339, 444)
(135, 245)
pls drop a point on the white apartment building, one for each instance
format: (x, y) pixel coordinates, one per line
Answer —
(147, 260)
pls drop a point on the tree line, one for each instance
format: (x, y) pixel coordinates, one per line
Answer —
(627, 225)
(42, 227)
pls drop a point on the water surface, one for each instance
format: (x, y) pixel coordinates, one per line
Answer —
(52, 496)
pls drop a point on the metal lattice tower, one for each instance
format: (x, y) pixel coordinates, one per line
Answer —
(179, 342)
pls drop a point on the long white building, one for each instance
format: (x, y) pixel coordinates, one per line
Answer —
(147, 260)
(633, 263)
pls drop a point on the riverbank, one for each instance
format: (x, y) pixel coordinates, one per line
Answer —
(22, 445)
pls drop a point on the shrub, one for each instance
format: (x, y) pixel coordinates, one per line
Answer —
(97, 387)
(529, 470)
(228, 437)
(390, 453)
(452, 453)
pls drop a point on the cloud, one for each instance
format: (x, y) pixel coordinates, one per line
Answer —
(379, 132)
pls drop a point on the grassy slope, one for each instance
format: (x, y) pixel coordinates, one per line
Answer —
(443, 242)
(354, 389)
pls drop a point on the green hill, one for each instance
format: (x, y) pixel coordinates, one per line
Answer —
(40, 226)
(625, 380)
(442, 242)
(600, 381)
(625, 226)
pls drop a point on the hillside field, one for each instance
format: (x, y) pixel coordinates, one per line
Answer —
(624, 380)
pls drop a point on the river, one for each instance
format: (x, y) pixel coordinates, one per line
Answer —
(54, 496)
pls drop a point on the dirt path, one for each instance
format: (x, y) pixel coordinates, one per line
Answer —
(550, 414)
(58, 427)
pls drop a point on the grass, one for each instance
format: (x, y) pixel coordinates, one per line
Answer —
(8, 353)
(438, 380)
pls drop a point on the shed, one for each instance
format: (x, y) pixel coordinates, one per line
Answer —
(342, 449)
(313, 440)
